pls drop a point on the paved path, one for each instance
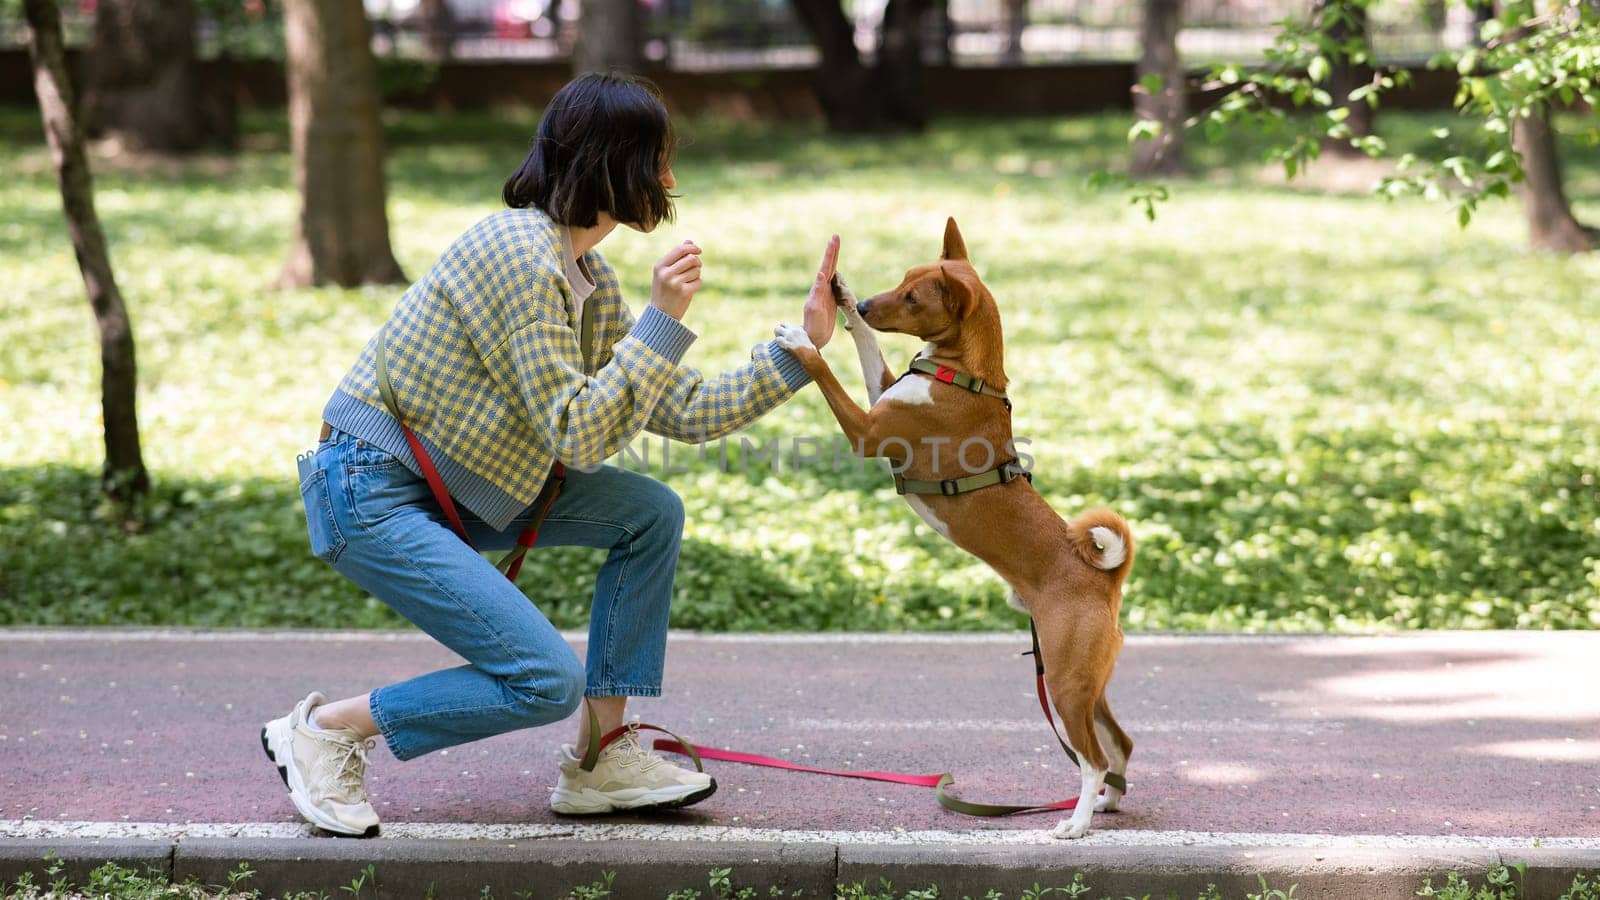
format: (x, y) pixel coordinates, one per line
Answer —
(1443, 737)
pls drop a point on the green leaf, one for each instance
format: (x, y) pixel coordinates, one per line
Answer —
(1152, 83)
(1144, 130)
(1319, 69)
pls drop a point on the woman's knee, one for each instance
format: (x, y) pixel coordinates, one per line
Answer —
(667, 507)
(550, 694)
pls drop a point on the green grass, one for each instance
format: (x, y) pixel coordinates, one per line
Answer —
(114, 882)
(1319, 411)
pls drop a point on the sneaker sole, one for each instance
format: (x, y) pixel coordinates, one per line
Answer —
(291, 780)
(589, 802)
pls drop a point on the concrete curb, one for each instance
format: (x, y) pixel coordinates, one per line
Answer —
(651, 869)
(447, 869)
(78, 857)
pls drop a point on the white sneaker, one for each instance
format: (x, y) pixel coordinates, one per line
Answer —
(626, 776)
(324, 769)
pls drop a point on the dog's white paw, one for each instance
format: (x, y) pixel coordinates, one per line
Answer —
(847, 305)
(1070, 829)
(1108, 802)
(792, 337)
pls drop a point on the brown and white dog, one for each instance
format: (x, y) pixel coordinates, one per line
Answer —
(1067, 575)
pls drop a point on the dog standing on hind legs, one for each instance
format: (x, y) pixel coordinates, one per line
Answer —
(931, 423)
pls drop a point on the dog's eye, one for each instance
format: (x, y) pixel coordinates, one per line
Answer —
(911, 299)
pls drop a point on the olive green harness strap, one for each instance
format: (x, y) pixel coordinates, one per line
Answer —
(959, 379)
(1005, 473)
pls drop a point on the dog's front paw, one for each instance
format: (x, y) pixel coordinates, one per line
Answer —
(1109, 801)
(1070, 829)
(793, 338)
(846, 299)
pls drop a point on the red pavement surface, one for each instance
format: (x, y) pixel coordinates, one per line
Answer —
(1493, 734)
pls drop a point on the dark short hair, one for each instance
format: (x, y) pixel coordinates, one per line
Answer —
(602, 145)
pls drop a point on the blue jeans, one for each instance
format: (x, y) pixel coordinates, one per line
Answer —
(377, 523)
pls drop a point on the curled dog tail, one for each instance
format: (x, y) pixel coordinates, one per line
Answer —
(1102, 539)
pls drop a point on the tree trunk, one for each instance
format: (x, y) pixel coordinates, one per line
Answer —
(1016, 20)
(610, 37)
(1158, 34)
(144, 85)
(1348, 23)
(900, 69)
(944, 50)
(342, 236)
(854, 98)
(124, 478)
(438, 29)
(1551, 225)
(843, 86)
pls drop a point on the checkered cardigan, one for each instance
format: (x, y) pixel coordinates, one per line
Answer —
(483, 353)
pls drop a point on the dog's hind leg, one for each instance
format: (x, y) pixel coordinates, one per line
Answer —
(873, 369)
(1118, 747)
(1076, 702)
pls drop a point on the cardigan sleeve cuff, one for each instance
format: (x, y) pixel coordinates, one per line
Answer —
(789, 368)
(663, 334)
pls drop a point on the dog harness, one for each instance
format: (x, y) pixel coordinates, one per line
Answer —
(1005, 473)
(959, 379)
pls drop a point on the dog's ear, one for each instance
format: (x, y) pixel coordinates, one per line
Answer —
(958, 296)
(954, 246)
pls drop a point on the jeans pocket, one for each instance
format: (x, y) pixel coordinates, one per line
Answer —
(327, 542)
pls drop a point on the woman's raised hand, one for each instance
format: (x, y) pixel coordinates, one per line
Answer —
(821, 310)
(677, 277)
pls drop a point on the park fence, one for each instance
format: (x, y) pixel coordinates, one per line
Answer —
(710, 35)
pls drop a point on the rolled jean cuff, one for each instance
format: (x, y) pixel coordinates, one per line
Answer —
(398, 750)
(621, 690)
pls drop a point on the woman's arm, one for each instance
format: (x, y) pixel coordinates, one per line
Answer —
(696, 410)
(585, 419)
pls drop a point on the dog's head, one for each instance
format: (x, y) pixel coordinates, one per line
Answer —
(933, 300)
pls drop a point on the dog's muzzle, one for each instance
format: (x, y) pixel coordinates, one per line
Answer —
(862, 307)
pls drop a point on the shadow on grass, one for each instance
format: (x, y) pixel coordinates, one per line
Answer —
(235, 554)
(1238, 527)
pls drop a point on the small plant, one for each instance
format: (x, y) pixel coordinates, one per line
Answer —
(1498, 884)
(359, 883)
(239, 875)
(594, 890)
(1076, 889)
(1582, 889)
(1271, 893)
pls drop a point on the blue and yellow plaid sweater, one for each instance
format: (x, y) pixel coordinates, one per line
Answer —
(483, 355)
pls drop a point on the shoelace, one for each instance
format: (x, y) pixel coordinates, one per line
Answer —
(352, 769)
(629, 748)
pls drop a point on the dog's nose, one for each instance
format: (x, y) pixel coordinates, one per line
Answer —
(862, 307)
